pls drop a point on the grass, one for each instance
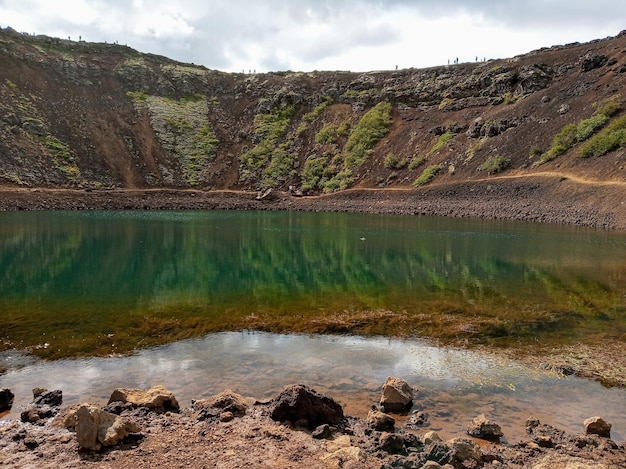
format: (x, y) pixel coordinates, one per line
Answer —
(427, 175)
(392, 161)
(495, 164)
(366, 134)
(416, 162)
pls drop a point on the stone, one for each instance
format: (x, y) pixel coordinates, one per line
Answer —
(431, 437)
(226, 401)
(96, 428)
(298, 402)
(397, 395)
(226, 416)
(44, 397)
(322, 432)
(380, 421)
(6, 399)
(391, 443)
(483, 428)
(463, 449)
(597, 426)
(157, 398)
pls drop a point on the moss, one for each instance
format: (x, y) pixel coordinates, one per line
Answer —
(427, 175)
(58, 148)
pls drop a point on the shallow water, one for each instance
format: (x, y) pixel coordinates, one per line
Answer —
(454, 385)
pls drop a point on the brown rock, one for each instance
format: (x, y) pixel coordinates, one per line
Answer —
(156, 398)
(397, 395)
(597, 426)
(481, 427)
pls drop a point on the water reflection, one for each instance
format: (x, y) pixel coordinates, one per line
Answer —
(71, 280)
(454, 385)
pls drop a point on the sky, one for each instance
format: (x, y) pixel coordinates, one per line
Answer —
(307, 35)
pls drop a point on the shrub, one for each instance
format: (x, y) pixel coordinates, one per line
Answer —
(417, 161)
(312, 173)
(442, 141)
(495, 164)
(327, 134)
(394, 162)
(365, 135)
(610, 138)
(427, 175)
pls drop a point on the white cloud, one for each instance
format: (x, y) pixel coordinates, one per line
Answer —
(305, 35)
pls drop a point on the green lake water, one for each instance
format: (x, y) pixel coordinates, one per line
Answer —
(83, 283)
(164, 289)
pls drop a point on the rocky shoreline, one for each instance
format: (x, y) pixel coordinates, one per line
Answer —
(298, 428)
(548, 199)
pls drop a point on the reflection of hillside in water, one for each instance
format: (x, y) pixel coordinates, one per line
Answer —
(95, 268)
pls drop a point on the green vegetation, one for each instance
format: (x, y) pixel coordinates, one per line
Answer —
(495, 164)
(57, 147)
(573, 134)
(427, 175)
(269, 129)
(365, 135)
(442, 141)
(327, 134)
(392, 161)
(318, 110)
(337, 173)
(416, 162)
(611, 138)
(183, 129)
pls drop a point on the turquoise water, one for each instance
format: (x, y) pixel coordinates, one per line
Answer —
(68, 280)
(104, 283)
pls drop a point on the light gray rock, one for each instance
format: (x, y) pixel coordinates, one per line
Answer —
(96, 428)
(397, 395)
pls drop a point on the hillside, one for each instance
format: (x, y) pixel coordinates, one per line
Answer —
(546, 129)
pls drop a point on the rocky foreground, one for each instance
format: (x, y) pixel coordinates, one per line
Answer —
(298, 428)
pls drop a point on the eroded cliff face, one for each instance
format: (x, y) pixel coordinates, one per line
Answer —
(77, 114)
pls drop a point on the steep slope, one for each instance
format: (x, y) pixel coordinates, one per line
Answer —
(85, 115)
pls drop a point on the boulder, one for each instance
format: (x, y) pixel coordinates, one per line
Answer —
(380, 421)
(431, 437)
(226, 401)
(391, 443)
(43, 397)
(597, 426)
(465, 450)
(301, 403)
(96, 428)
(6, 399)
(156, 398)
(483, 428)
(397, 395)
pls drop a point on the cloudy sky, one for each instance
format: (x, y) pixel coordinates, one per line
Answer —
(305, 35)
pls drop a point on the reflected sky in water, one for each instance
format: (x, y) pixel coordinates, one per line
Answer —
(453, 385)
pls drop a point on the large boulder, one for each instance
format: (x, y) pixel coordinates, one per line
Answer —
(157, 398)
(397, 395)
(6, 399)
(96, 428)
(597, 426)
(482, 427)
(299, 403)
(224, 402)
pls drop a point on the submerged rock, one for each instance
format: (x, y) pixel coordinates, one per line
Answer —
(483, 428)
